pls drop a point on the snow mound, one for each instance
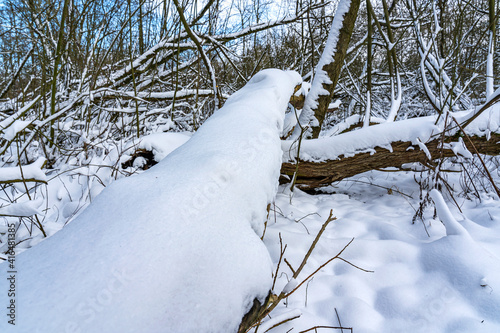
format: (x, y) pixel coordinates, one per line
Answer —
(176, 248)
(451, 224)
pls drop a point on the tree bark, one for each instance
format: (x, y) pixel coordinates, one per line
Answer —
(322, 88)
(316, 174)
(491, 50)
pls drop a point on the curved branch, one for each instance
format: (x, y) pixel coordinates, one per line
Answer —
(196, 41)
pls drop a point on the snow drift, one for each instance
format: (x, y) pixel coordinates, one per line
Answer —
(175, 249)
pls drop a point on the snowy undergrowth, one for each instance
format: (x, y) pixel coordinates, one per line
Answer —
(70, 185)
(448, 282)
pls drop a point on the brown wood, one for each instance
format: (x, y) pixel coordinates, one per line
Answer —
(334, 68)
(316, 174)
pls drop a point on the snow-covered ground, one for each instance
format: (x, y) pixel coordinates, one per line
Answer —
(112, 270)
(446, 282)
(173, 249)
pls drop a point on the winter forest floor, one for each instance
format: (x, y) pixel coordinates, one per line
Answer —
(418, 283)
(145, 148)
(391, 272)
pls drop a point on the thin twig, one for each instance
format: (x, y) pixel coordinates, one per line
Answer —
(326, 263)
(281, 322)
(313, 245)
(338, 319)
(330, 327)
(290, 266)
(282, 252)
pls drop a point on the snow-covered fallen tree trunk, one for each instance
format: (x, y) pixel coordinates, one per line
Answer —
(316, 174)
(329, 159)
(174, 249)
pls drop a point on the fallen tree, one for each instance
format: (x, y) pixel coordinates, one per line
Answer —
(312, 174)
(325, 160)
(319, 162)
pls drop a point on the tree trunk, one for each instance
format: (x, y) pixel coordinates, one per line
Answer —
(316, 174)
(328, 69)
(491, 50)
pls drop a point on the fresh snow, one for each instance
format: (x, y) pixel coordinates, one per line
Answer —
(14, 128)
(155, 95)
(415, 130)
(444, 283)
(490, 78)
(31, 171)
(354, 142)
(5, 123)
(444, 213)
(28, 208)
(447, 282)
(176, 248)
(342, 126)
